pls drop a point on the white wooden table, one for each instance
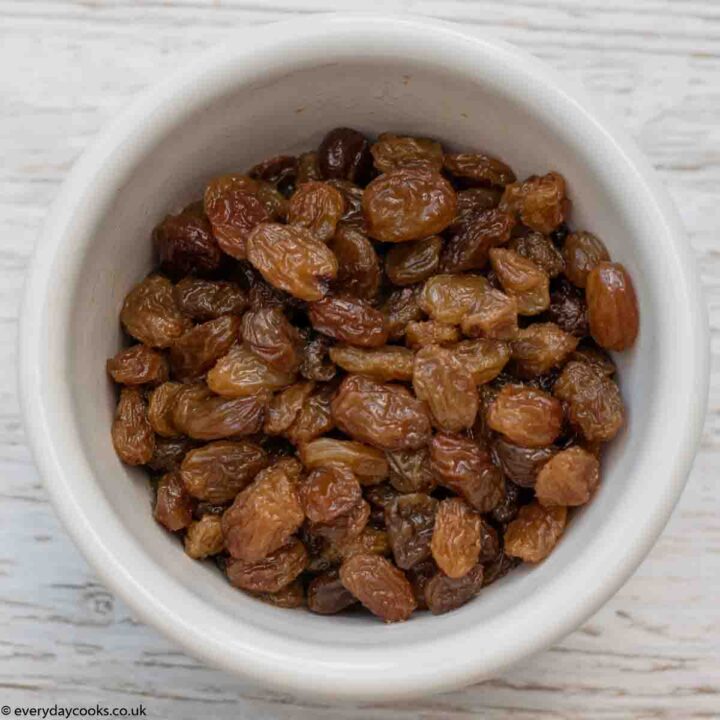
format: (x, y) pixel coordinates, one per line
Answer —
(65, 69)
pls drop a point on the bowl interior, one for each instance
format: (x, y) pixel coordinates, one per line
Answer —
(240, 110)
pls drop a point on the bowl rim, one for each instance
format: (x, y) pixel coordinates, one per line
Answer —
(263, 658)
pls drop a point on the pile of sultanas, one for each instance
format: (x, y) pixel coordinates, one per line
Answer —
(375, 373)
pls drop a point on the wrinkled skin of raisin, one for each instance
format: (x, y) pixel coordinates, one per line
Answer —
(484, 358)
(160, 409)
(499, 568)
(317, 207)
(494, 315)
(591, 354)
(346, 527)
(410, 520)
(461, 465)
(401, 308)
(173, 505)
(209, 299)
(568, 479)
(195, 352)
(290, 258)
(449, 298)
(568, 309)
(352, 195)
(430, 332)
(265, 514)
(521, 464)
(582, 251)
(594, 403)
(316, 364)
(272, 338)
(522, 279)
(185, 245)
(359, 271)
(270, 573)
(469, 249)
(327, 595)
(539, 348)
(540, 249)
(410, 471)
(443, 593)
(151, 315)
(368, 463)
(379, 585)
(199, 414)
(389, 362)
(456, 539)
(381, 414)
(526, 416)
(612, 306)
(218, 471)
(349, 320)
(290, 596)
(480, 169)
(344, 154)
(408, 204)
(307, 168)
(413, 262)
(315, 418)
(329, 492)
(168, 453)
(507, 510)
(442, 380)
(535, 532)
(277, 170)
(392, 152)
(472, 202)
(132, 436)
(540, 201)
(204, 537)
(284, 407)
(138, 365)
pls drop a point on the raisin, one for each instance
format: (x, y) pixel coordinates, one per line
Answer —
(270, 573)
(168, 453)
(218, 471)
(327, 595)
(484, 358)
(272, 338)
(443, 593)
(276, 170)
(582, 251)
(382, 414)
(352, 195)
(490, 544)
(471, 203)
(594, 403)
(612, 306)
(204, 537)
(419, 575)
(349, 320)
(508, 508)
(442, 380)
(368, 463)
(317, 207)
(315, 417)
(462, 466)
(290, 596)
(307, 168)
(292, 259)
(449, 298)
(469, 249)
(521, 464)
(275, 203)
(132, 436)
(160, 409)
(494, 315)
(381, 495)
(241, 373)
(379, 585)
(198, 413)
(526, 416)
(284, 408)
(344, 154)
(209, 299)
(173, 506)
(540, 249)
(535, 532)
(138, 365)
(479, 168)
(359, 271)
(410, 471)
(539, 348)
(522, 279)
(185, 245)
(591, 354)
(370, 540)
(568, 309)
(386, 363)
(429, 332)
(196, 351)
(569, 478)
(499, 568)
(151, 315)
(410, 520)
(345, 527)
(539, 201)
(265, 514)
(456, 539)
(329, 492)
(413, 262)
(392, 152)
(401, 308)
(316, 364)
(408, 204)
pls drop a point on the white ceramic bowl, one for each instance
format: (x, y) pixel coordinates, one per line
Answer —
(280, 88)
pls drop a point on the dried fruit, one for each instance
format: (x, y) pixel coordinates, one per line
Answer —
(523, 280)
(292, 259)
(346, 527)
(379, 586)
(445, 382)
(456, 539)
(318, 207)
(525, 416)
(168, 454)
(344, 154)
(265, 514)
(429, 332)
(160, 409)
(327, 595)
(408, 204)
(151, 315)
(410, 520)
(349, 320)
(413, 262)
(521, 464)
(568, 309)
(307, 168)
(443, 593)
(276, 170)
(290, 596)
(569, 478)
(469, 248)
(479, 168)
(392, 152)
(241, 373)
(539, 201)
(389, 362)
(315, 417)
(484, 359)
(539, 348)
(329, 492)
(410, 471)
(359, 271)
(472, 202)
(612, 306)
(316, 364)
(540, 249)
(499, 568)
(209, 299)
(494, 315)
(271, 573)
(272, 338)
(173, 506)
(204, 537)
(132, 435)
(582, 251)
(591, 354)
(285, 407)
(382, 414)
(138, 365)
(368, 463)
(449, 298)
(218, 471)
(352, 195)
(535, 532)
(196, 351)
(401, 308)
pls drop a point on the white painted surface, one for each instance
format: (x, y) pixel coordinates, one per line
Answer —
(65, 68)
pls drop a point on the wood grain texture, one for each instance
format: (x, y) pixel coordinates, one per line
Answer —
(65, 69)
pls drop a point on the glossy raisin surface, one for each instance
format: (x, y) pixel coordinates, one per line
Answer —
(410, 520)
(138, 365)
(612, 306)
(318, 207)
(132, 435)
(349, 320)
(535, 532)
(526, 416)
(456, 538)
(344, 154)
